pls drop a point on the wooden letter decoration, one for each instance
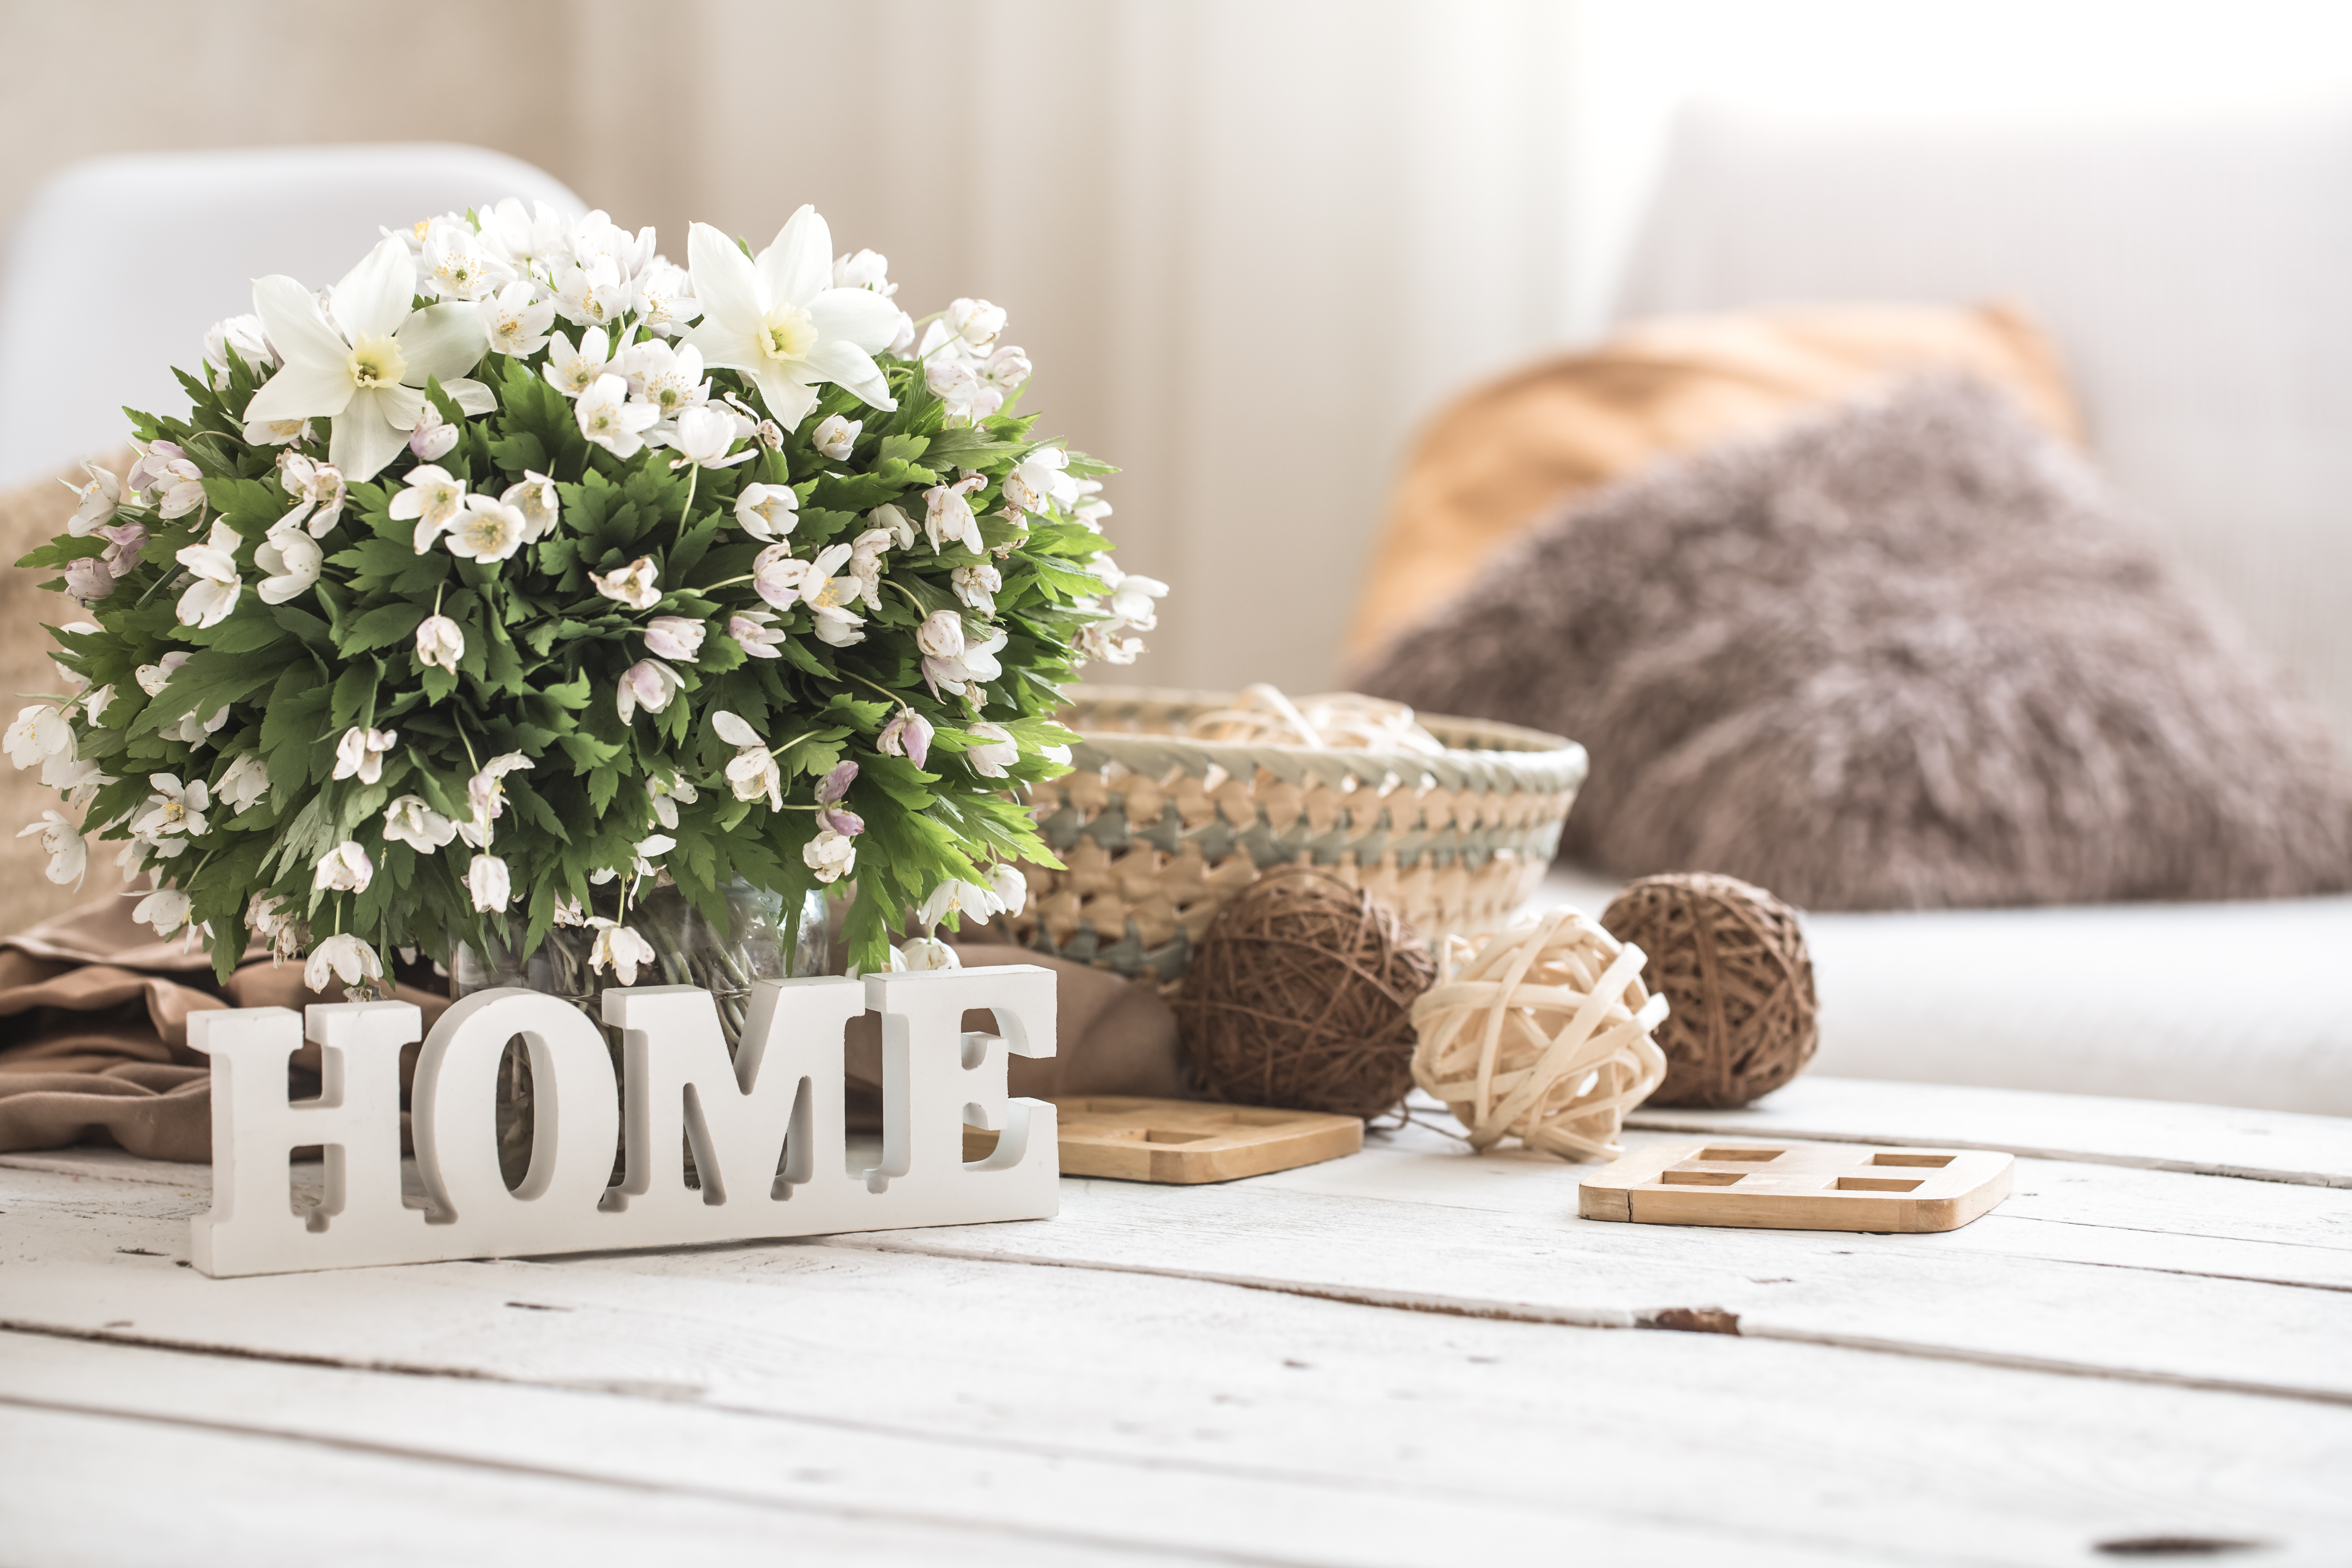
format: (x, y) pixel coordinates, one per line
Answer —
(765, 1129)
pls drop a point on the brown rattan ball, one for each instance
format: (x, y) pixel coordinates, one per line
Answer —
(1731, 961)
(1300, 994)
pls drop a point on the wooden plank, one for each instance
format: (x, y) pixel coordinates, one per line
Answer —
(1184, 1141)
(1796, 1186)
(2151, 1134)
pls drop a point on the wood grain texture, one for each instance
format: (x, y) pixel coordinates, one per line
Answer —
(1184, 1142)
(1797, 1186)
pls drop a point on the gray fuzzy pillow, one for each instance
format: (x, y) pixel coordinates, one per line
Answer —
(1914, 654)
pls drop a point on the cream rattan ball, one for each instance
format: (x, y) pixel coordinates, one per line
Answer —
(1543, 1035)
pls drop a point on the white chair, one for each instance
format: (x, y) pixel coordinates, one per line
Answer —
(117, 267)
(2194, 275)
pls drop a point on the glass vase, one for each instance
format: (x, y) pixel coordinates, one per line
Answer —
(689, 949)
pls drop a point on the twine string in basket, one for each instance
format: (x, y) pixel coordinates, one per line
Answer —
(1544, 1035)
(1263, 715)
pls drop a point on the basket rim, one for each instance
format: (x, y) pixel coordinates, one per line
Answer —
(1538, 753)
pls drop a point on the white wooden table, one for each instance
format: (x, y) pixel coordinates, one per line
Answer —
(1412, 1356)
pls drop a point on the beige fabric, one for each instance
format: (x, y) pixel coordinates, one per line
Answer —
(32, 515)
(1509, 453)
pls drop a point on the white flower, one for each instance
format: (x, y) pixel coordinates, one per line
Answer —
(1005, 369)
(832, 855)
(675, 636)
(633, 584)
(664, 792)
(318, 490)
(343, 956)
(703, 433)
(1097, 642)
(1131, 597)
(68, 855)
(777, 318)
(663, 298)
(976, 321)
(568, 911)
(362, 366)
(1040, 479)
(360, 754)
(515, 321)
(574, 370)
(534, 495)
(95, 704)
(767, 512)
(753, 629)
(175, 808)
(211, 597)
(865, 563)
(647, 848)
(132, 859)
(524, 239)
(152, 678)
(433, 435)
(1011, 888)
(669, 378)
(165, 909)
(264, 913)
(247, 781)
(978, 661)
(908, 735)
(487, 530)
(593, 291)
(457, 267)
(753, 773)
(433, 497)
(897, 523)
(940, 634)
(928, 955)
(837, 633)
(440, 642)
(957, 897)
(997, 750)
(618, 949)
(953, 379)
(950, 517)
(278, 433)
(610, 420)
(39, 733)
(866, 270)
(97, 499)
(346, 868)
(292, 559)
(242, 333)
(410, 821)
(79, 776)
(488, 882)
(486, 795)
(977, 586)
(835, 435)
(648, 683)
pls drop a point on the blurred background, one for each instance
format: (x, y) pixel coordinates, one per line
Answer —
(1250, 243)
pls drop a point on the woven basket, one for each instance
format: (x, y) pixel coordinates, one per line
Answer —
(1158, 831)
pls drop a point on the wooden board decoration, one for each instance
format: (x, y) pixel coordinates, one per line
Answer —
(766, 1128)
(1182, 1141)
(1797, 1186)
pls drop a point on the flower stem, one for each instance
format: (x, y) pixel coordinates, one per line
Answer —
(687, 512)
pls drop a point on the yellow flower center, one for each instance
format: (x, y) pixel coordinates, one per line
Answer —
(836, 591)
(174, 813)
(376, 361)
(787, 333)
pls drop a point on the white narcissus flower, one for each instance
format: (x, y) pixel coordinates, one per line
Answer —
(995, 751)
(754, 774)
(39, 733)
(534, 496)
(675, 636)
(664, 792)
(515, 321)
(977, 586)
(433, 497)
(756, 632)
(635, 585)
(777, 318)
(165, 909)
(767, 512)
(487, 530)
(703, 435)
(360, 754)
(363, 365)
(834, 437)
(410, 821)
(648, 683)
(433, 435)
(440, 642)
(1011, 888)
(573, 368)
(247, 781)
(618, 949)
(152, 678)
(608, 418)
(344, 957)
(97, 499)
(318, 491)
(488, 882)
(209, 599)
(941, 634)
(68, 855)
(346, 868)
(832, 855)
(292, 559)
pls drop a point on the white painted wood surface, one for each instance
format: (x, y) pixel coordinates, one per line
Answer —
(1401, 1357)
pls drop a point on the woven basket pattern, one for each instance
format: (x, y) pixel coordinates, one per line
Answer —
(1158, 831)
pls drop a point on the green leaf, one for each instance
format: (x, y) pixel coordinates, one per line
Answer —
(383, 626)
